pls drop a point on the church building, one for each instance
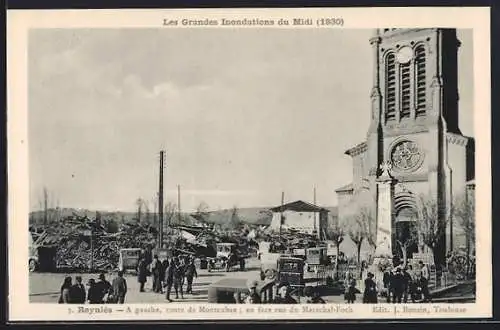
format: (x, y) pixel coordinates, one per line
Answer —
(414, 127)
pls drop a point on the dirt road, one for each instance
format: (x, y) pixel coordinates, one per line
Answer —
(44, 287)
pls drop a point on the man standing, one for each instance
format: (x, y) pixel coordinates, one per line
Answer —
(253, 297)
(169, 278)
(190, 273)
(397, 285)
(142, 276)
(424, 280)
(408, 282)
(156, 270)
(104, 287)
(178, 278)
(77, 292)
(119, 288)
(163, 269)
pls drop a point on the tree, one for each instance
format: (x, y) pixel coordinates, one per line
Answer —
(431, 226)
(405, 239)
(356, 231)
(362, 225)
(139, 203)
(169, 214)
(369, 223)
(234, 221)
(147, 212)
(202, 212)
(335, 233)
(464, 210)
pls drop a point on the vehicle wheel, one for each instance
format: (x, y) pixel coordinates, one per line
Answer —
(32, 265)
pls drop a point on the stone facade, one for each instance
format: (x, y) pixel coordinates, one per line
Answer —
(414, 126)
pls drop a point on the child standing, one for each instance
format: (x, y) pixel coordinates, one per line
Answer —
(350, 294)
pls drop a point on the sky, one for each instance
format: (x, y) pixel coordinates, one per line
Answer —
(243, 114)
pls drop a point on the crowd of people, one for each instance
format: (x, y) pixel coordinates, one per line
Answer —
(401, 284)
(167, 274)
(99, 292)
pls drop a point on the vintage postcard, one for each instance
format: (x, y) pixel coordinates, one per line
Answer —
(236, 164)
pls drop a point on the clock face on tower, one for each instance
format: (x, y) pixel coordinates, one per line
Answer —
(406, 156)
(404, 55)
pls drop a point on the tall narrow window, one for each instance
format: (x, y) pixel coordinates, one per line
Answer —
(390, 106)
(420, 81)
(405, 82)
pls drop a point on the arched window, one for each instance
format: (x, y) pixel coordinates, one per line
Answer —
(390, 71)
(405, 91)
(420, 81)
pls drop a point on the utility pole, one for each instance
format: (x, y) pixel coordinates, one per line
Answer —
(281, 210)
(179, 204)
(315, 213)
(160, 200)
(155, 210)
(45, 206)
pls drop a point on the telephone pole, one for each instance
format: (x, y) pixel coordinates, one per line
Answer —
(45, 206)
(160, 200)
(281, 210)
(315, 213)
(179, 204)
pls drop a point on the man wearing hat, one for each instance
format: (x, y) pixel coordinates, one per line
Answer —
(104, 287)
(370, 293)
(77, 293)
(253, 297)
(286, 297)
(397, 285)
(119, 288)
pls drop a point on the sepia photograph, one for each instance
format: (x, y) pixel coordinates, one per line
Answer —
(172, 166)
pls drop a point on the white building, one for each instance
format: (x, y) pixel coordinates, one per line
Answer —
(300, 216)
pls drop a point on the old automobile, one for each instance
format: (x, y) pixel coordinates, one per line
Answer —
(129, 259)
(317, 256)
(290, 271)
(228, 256)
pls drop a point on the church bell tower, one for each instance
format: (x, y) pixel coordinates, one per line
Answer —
(414, 103)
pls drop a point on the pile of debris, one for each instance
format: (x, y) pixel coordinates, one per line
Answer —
(83, 243)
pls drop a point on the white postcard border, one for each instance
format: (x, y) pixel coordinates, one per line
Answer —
(18, 24)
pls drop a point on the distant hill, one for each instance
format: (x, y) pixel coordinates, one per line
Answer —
(248, 215)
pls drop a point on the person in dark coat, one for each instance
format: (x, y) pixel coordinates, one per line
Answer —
(350, 294)
(169, 278)
(93, 295)
(163, 269)
(314, 296)
(387, 284)
(104, 288)
(119, 288)
(398, 286)
(253, 297)
(178, 278)
(64, 297)
(409, 284)
(370, 293)
(156, 270)
(142, 273)
(190, 274)
(77, 292)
